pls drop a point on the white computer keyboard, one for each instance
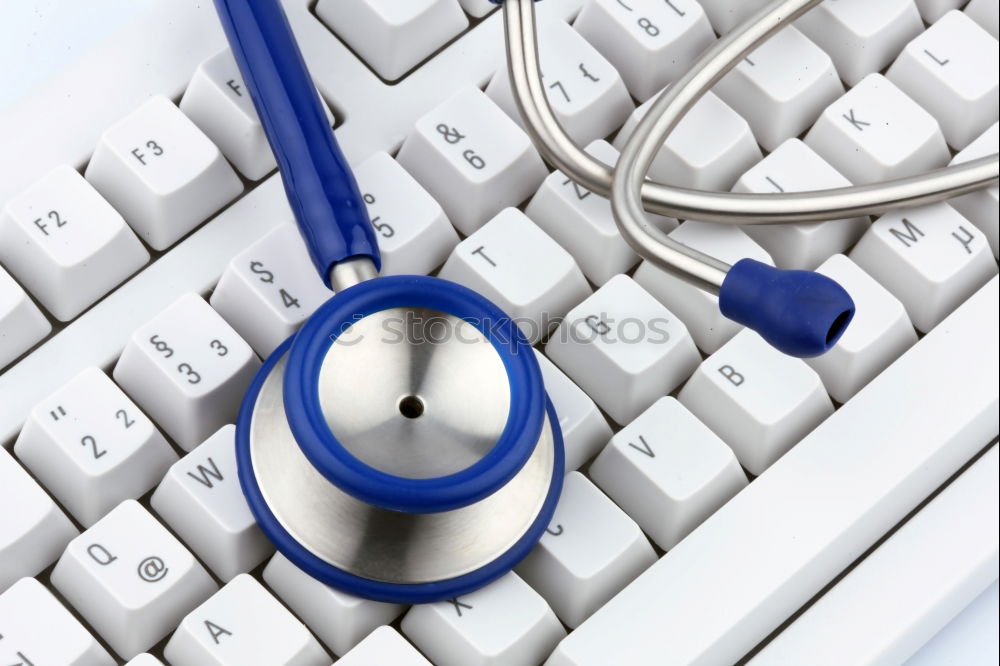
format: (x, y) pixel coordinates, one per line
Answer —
(715, 489)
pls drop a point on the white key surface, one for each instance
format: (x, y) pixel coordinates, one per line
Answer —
(144, 659)
(22, 324)
(982, 207)
(932, 10)
(984, 12)
(477, 8)
(384, 646)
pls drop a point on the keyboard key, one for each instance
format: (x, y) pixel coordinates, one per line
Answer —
(188, 369)
(159, 170)
(338, 619)
(22, 324)
(708, 150)
(668, 471)
(393, 37)
(589, 552)
(795, 167)
(517, 266)
(144, 659)
(92, 447)
(270, 289)
(878, 334)
(477, 8)
(951, 70)
(984, 12)
(584, 89)
(651, 43)
(130, 579)
(201, 500)
(243, 624)
(384, 646)
(932, 10)
(505, 622)
(472, 158)
(33, 531)
(36, 629)
(981, 207)
(931, 258)
(66, 244)
(699, 310)
(861, 36)
(623, 348)
(875, 132)
(726, 14)
(758, 400)
(782, 87)
(414, 234)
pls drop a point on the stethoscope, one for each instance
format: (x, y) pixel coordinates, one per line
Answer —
(418, 468)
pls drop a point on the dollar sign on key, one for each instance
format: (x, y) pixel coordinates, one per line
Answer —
(265, 275)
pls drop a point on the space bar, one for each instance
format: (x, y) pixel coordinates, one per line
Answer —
(763, 555)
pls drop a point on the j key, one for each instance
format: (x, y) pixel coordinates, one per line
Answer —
(243, 624)
(66, 244)
(984, 12)
(392, 37)
(795, 167)
(781, 87)
(517, 266)
(22, 324)
(932, 10)
(92, 447)
(726, 14)
(589, 552)
(338, 619)
(624, 348)
(758, 400)
(981, 207)
(861, 36)
(650, 42)
(130, 579)
(269, 289)
(505, 622)
(951, 70)
(472, 158)
(188, 369)
(36, 629)
(584, 89)
(668, 471)
(384, 646)
(159, 170)
(931, 258)
(875, 132)
(33, 531)
(201, 500)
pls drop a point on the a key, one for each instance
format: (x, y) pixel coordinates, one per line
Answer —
(623, 348)
(781, 87)
(522, 270)
(708, 150)
(589, 552)
(984, 12)
(932, 10)
(472, 158)
(243, 624)
(759, 401)
(33, 530)
(505, 622)
(161, 173)
(66, 244)
(188, 369)
(861, 36)
(930, 257)
(384, 645)
(130, 579)
(875, 132)
(477, 8)
(795, 167)
(338, 619)
(981, 207)
(270, 289)
(393, 37)
(201, 500)
(414, 234)
(581, 222)
(36, 629)
(584, 89)
(697, 309)
(726, 15)
(22, 324)
(878, 334)
(584, 429)
(650, 42)
(92, 447)
(668, 471)
(951, 70)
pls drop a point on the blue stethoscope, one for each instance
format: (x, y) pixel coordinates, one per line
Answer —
(418, 469)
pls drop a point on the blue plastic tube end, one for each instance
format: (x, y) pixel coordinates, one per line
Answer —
(800, 313)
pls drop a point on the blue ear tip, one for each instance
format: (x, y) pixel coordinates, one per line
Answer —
(799, 313)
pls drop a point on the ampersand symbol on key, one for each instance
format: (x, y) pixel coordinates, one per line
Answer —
(152, 569)
(450, 134)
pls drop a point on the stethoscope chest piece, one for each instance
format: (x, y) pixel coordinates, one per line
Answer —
(401, 446)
